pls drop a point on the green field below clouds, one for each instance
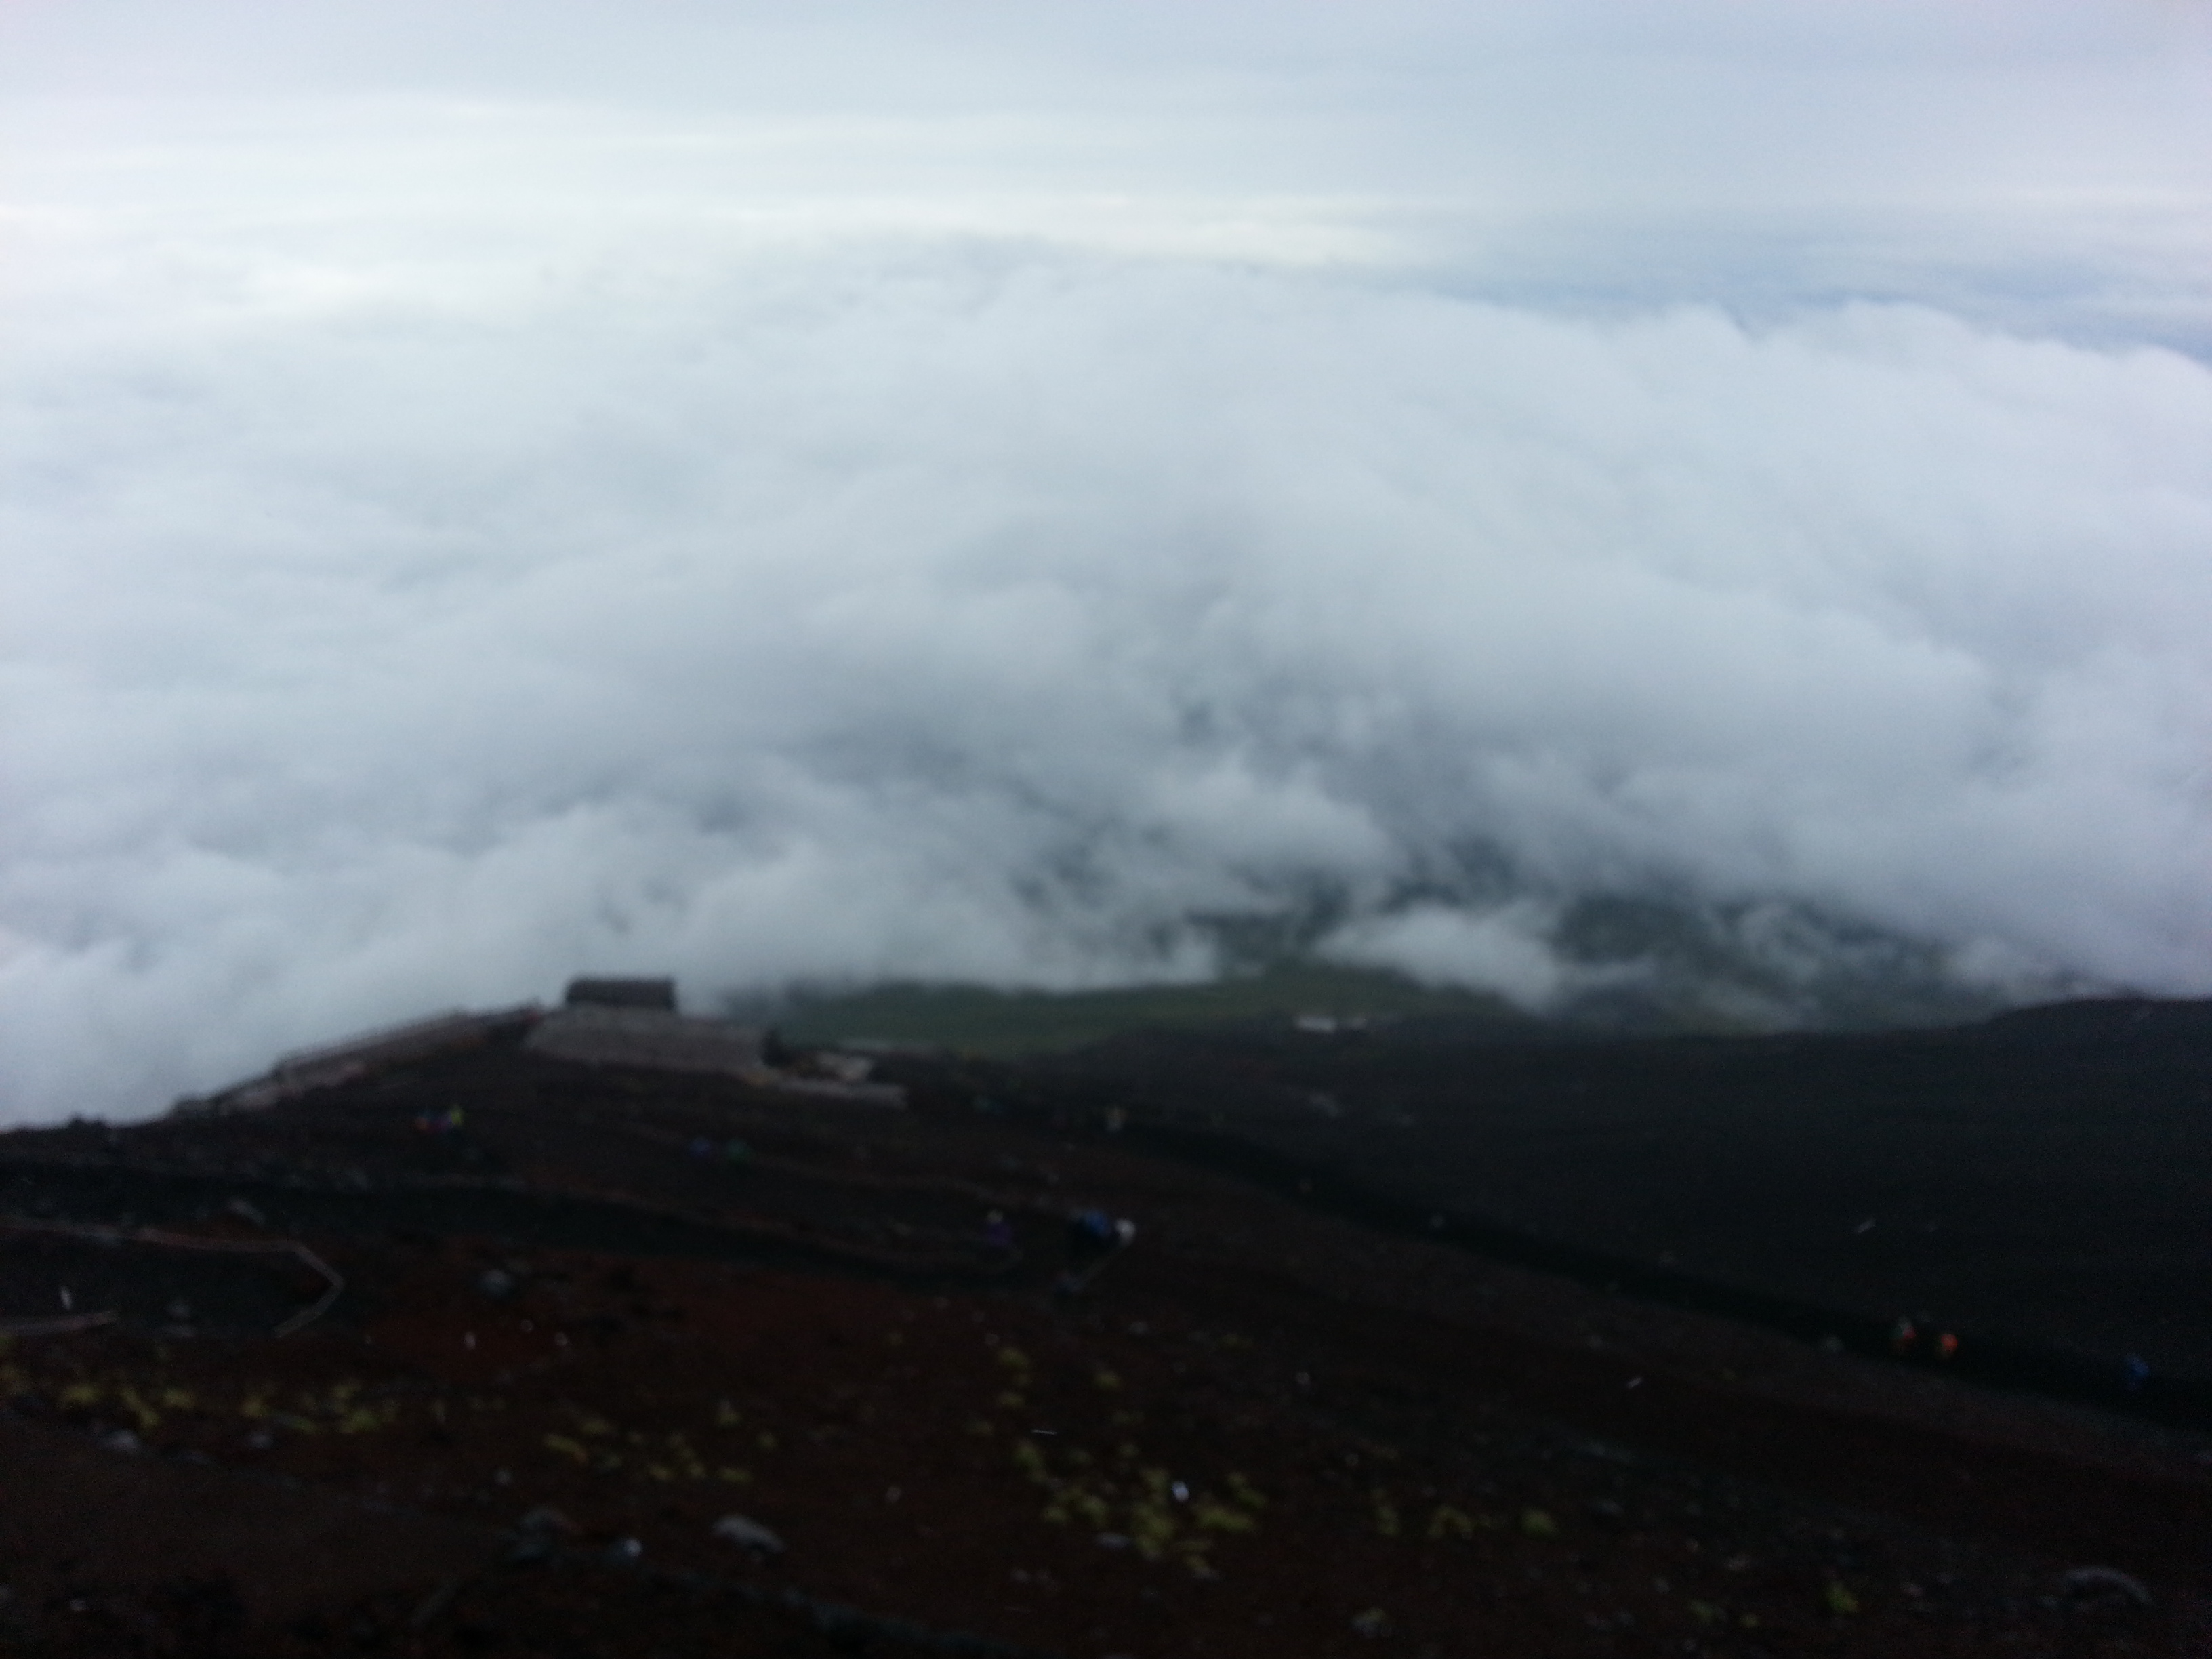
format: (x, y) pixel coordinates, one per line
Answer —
(979, 1019)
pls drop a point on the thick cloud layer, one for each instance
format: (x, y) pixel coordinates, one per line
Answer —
(451, 545)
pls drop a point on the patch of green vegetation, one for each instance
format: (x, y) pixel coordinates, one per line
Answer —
(978, 1019)
(1747, 967)
(1645, 966)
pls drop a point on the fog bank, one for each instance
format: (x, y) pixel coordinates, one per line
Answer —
(453, 542)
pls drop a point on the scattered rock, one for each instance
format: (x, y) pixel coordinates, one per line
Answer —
(748, 1534)
(2102, 1587)
(538, 1534)
(549, 1521)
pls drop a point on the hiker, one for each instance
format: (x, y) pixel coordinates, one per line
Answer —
(1091, 1239)
(1094, 1238)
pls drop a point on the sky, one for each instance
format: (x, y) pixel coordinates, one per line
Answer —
(794, 496)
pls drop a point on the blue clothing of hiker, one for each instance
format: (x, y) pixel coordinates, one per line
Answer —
(1089, 1234)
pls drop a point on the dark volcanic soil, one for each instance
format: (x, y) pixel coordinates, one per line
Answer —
(2040, 1186)
(608, 1310)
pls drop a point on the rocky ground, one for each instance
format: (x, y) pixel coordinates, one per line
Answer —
(625, 1363)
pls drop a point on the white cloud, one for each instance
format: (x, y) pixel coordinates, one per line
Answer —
(1504, 951)
(470, 526)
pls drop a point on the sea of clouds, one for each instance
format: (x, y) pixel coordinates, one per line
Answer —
(987, 506)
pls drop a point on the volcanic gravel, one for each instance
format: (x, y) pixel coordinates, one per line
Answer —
(597, 1312)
